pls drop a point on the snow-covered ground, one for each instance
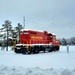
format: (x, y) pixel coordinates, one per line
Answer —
(53, 63)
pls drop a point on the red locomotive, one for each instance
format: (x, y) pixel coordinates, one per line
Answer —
(32, 41)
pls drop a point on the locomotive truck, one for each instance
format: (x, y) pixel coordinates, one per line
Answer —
(32, 41)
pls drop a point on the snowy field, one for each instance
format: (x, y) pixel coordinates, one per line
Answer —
(53, 63)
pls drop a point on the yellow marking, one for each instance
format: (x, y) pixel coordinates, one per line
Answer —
(36, 37)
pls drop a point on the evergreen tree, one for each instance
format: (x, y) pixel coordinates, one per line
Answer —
(18, 28)
(8, 27)
(72, 40)
(63, 42)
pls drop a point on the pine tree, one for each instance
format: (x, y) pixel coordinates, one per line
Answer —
(8, 27)
(18, 28)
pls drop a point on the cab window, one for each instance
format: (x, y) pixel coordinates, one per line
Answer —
(25, 32)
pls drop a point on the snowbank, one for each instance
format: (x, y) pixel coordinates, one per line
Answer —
(4, 70)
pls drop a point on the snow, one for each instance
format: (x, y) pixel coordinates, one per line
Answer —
(31, 30)
(53, 63)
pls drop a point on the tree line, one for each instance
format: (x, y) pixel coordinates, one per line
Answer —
(70, 41)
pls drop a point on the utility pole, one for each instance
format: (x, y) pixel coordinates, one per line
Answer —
(24, 22)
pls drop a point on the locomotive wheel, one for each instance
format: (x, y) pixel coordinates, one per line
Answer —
(23, 52)
(44, 49)
(57, 48)
(16, 51)
(29, 52)
(36, 51)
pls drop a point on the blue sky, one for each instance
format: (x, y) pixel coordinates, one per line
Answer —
(56, 16)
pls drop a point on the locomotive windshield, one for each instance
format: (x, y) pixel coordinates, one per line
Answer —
(25, 32)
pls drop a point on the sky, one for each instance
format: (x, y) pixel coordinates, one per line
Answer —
(55, 16)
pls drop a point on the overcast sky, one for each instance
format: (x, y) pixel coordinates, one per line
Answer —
(56, 16)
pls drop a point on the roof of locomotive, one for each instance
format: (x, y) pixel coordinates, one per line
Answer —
(37, 31)
(32, 30)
